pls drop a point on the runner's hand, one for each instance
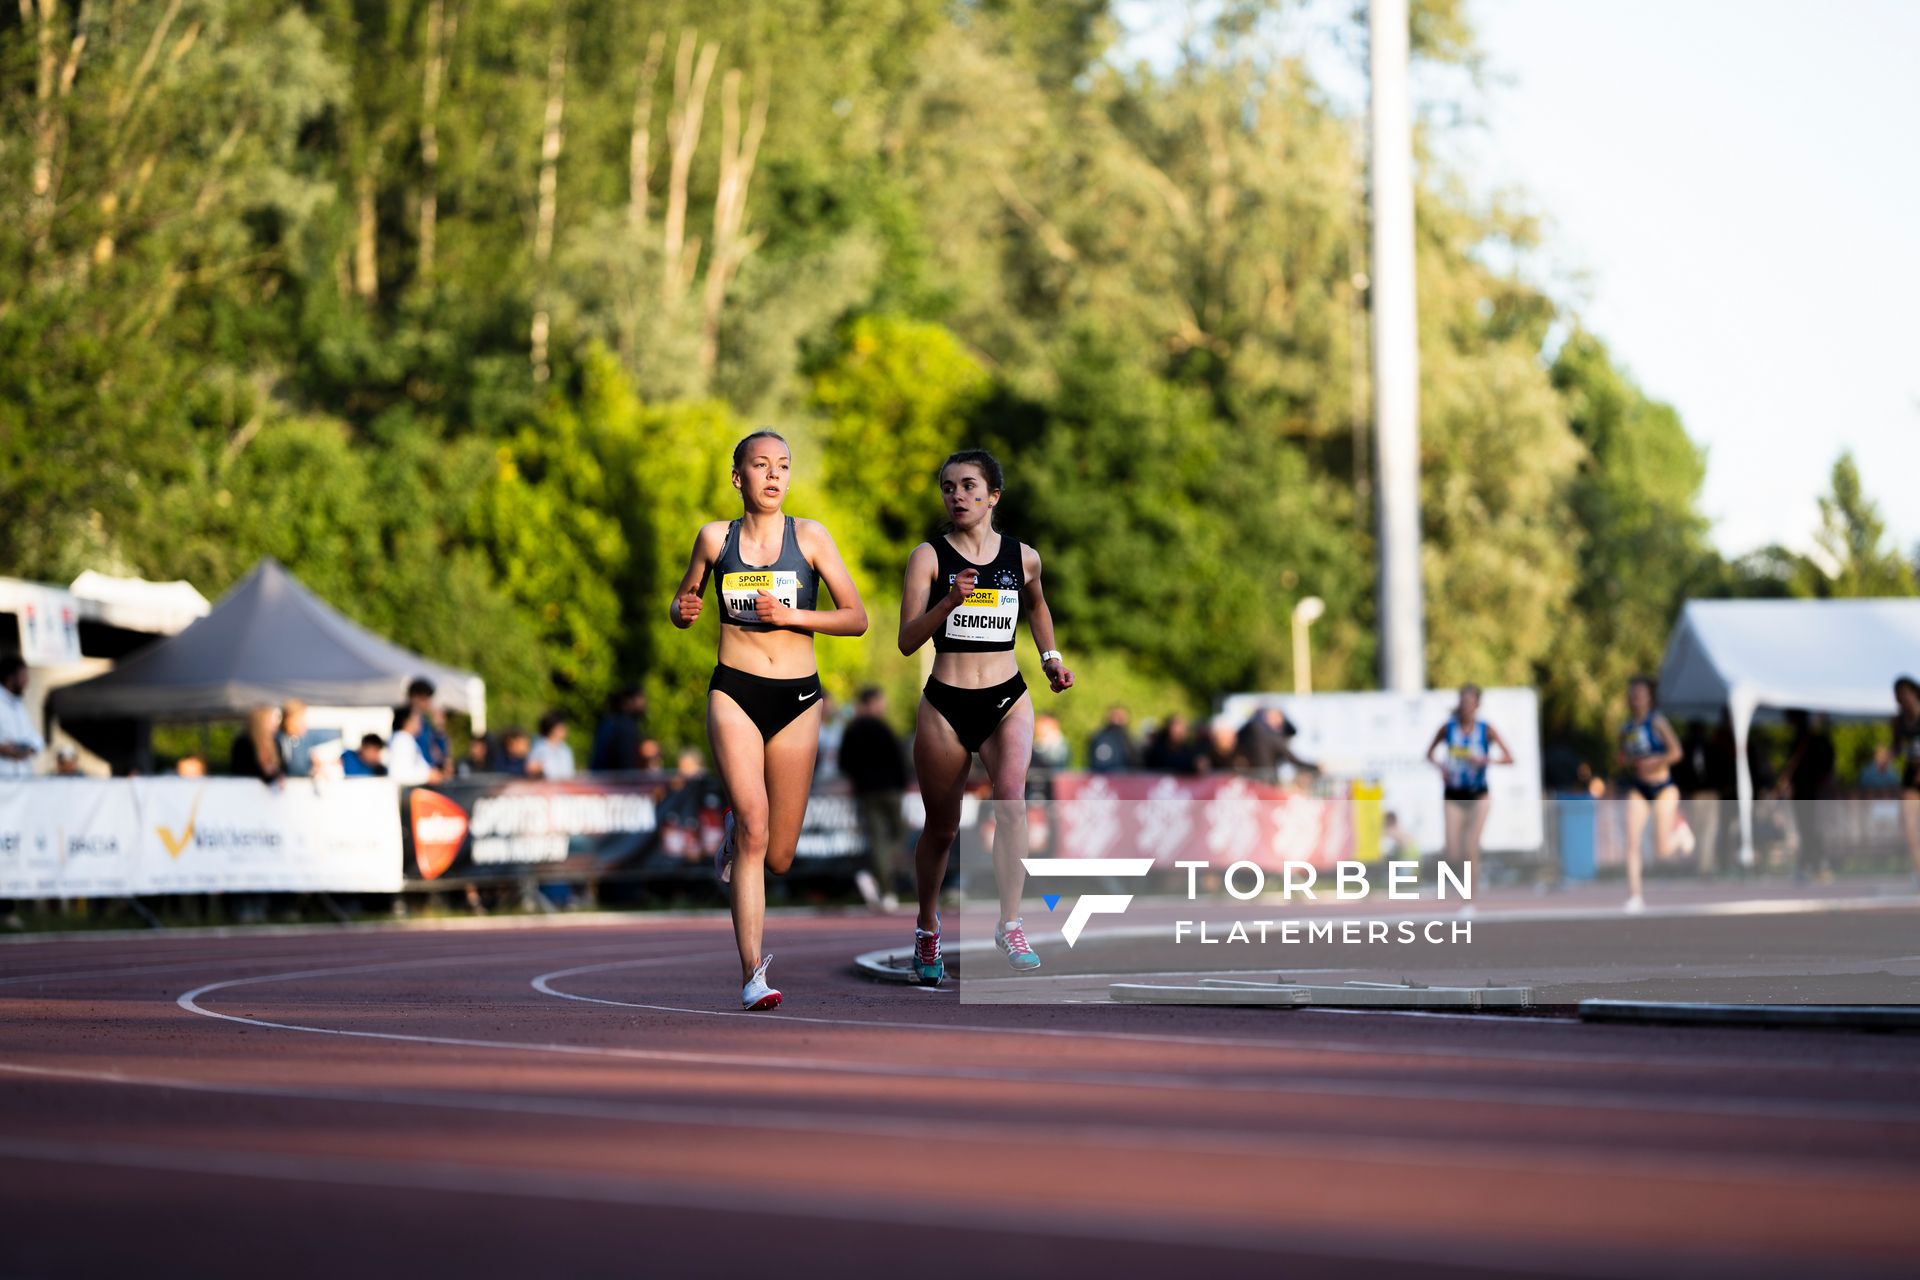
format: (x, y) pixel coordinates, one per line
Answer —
(1058, 677)
(687, 603)
(962, 587)
(770, 610)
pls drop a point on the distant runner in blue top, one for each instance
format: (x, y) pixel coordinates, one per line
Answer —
(1649, 748)
(1469, 743)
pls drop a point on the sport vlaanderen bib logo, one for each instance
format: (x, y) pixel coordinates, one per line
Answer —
(738, 591)
(988, 613)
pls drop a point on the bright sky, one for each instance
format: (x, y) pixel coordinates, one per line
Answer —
(1740, 181)
(1733, 188)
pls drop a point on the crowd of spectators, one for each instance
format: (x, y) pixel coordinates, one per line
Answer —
(1261, 745)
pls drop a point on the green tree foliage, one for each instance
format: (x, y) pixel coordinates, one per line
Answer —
(545, 517)
(895, 400)
(458, 309)
(1852, 555)
(1641, 542)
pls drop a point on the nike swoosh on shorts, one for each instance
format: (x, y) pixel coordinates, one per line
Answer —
(805, 696)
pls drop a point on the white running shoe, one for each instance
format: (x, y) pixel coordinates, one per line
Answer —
(1635, 905)
(723, 856)
(869, 888)
(757, 994)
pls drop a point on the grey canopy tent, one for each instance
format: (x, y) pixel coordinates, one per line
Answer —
(267, 640)
(1835, 656)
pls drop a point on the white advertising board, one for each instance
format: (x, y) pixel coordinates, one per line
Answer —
(71, 837)
(1384, 736)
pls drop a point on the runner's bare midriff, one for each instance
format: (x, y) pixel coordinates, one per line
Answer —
(773, 655)
(974, 670)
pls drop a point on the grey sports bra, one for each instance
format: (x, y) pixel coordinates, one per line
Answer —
(738, 584)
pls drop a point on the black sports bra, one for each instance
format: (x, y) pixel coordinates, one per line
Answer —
(738, 584)
(985, 622)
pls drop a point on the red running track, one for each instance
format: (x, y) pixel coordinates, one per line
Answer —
(581, 1101)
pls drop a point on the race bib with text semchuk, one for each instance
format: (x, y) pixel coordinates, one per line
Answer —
(986, 614)
(738, 591)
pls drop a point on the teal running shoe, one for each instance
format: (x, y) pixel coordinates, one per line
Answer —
(1011, 938)
(928, 967)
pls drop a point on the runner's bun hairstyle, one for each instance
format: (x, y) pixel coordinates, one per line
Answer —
(740, 450)
(1907, 682)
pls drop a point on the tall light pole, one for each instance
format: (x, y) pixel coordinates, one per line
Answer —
(1305, 614)
(1396, 353)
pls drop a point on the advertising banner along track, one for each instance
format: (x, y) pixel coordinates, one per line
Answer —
(82, 837)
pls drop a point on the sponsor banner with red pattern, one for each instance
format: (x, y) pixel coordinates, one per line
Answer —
(1218, 819)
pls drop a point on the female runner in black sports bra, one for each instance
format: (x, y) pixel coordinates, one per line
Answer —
(965, 591)
(763, 703)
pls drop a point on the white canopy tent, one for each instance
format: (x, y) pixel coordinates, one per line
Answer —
(1835, 656)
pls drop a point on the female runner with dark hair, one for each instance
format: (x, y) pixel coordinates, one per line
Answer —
(1906, 747)
(763, 702)
(965, 591)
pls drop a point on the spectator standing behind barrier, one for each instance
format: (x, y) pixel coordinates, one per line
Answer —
(1804, 780)
(478, 758)
(834, 720)
(1906, 746)
(652, 758)
(296, 757)
(405, 762)
(256, 750)
(1265, 742)
(1879, 774)
(1111, 749)
(680, 811)
(1715, 778)
(874, 763)
(1172, 748)
(190, 767)
(66, 763)
(551, 757)
(19, 744)
(1222, 751)
(1050, 749)
(516, 752)
(368, 761)
(432, 733)
(616, 738)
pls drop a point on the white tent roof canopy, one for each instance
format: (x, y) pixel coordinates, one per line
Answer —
(163, 608)
(1840, 657)
(1836, 656)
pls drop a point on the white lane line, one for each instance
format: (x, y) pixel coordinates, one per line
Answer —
(629, 943)
(1304, 1085)
(1445, 1153)
(544, 984)
(948, 1216)
(1563, 1098)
